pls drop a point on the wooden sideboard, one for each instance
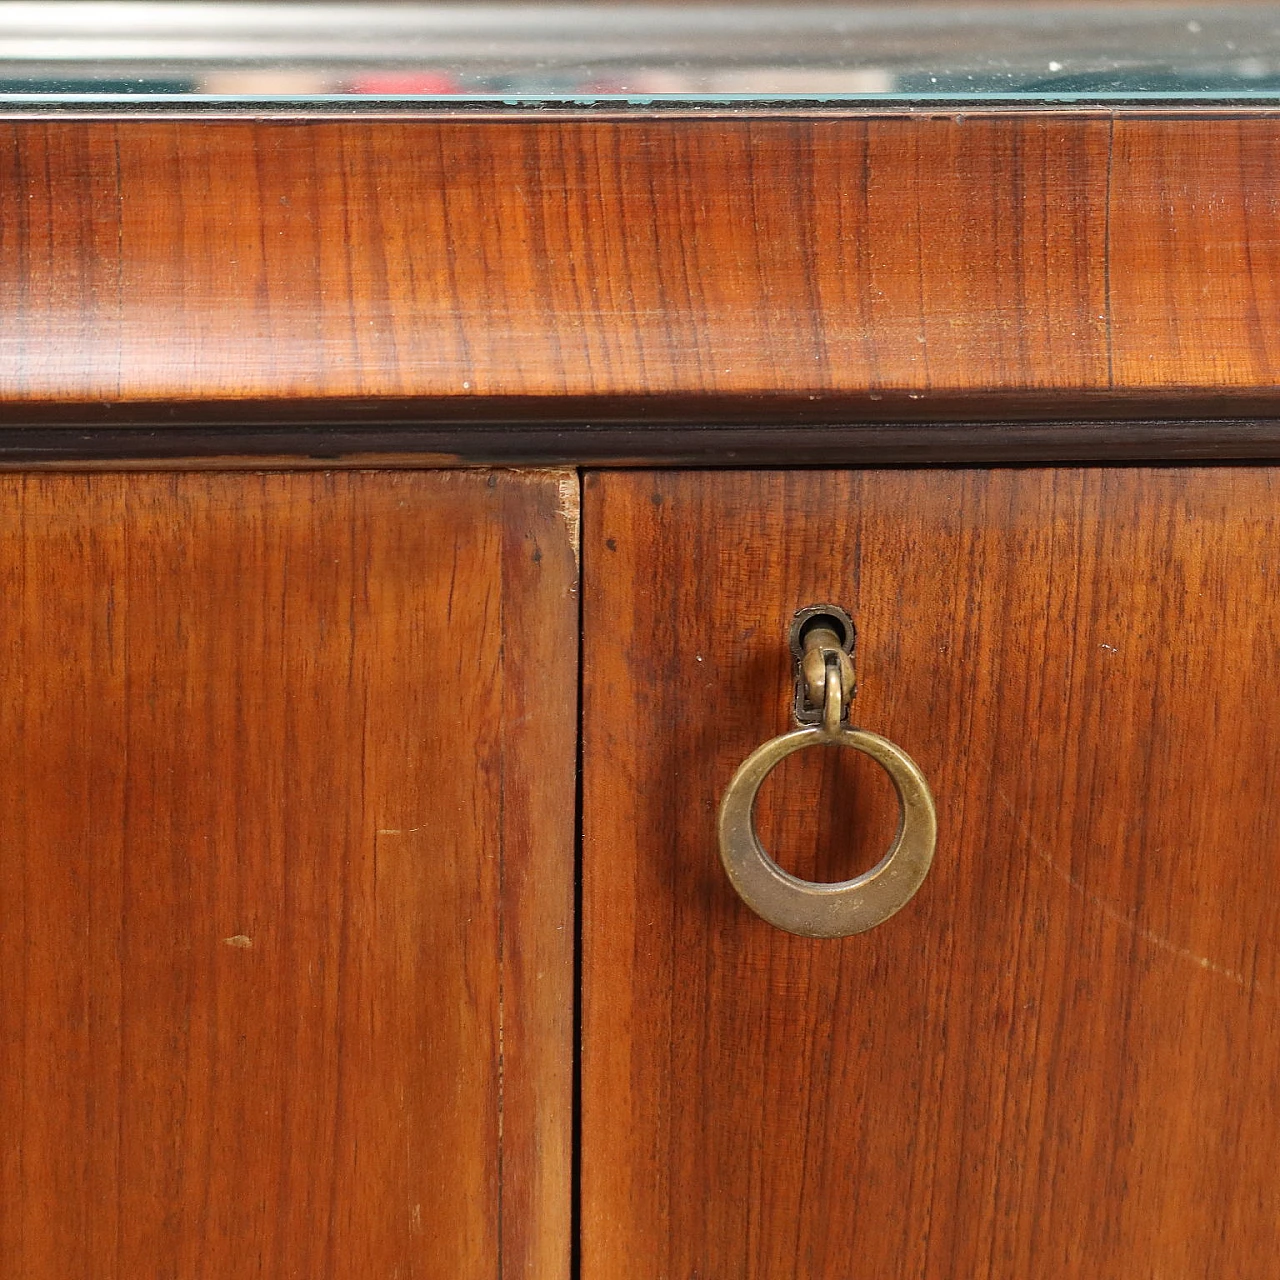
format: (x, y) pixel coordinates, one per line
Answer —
(402, 521)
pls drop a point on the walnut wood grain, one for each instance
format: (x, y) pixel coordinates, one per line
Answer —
(286, 883)
(843, 266)
(1062, 1057)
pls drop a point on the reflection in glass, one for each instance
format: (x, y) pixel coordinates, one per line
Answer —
(514, 52)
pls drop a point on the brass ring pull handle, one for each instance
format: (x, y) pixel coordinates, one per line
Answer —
(850, 906)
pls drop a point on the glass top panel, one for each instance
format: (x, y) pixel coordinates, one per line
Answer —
(84, 51)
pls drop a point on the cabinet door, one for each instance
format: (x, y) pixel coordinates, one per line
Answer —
(1062, 1057)
(287, 786)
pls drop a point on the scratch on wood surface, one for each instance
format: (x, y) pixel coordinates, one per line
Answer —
(1120, 917)
(238, 940)
(1112, 912)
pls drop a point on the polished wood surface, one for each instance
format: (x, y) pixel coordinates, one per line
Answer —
(286, 883)
(1062, 1057)
(852, 265)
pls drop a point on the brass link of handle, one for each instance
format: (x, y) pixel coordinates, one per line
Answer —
(851, 906)
(833, 702)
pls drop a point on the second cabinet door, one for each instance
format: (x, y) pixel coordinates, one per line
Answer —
(1062, 1058)
(286, 783)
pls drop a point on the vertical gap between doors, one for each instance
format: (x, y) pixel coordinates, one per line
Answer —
(575, 1167)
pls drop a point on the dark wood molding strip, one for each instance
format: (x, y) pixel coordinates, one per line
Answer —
(777, 444)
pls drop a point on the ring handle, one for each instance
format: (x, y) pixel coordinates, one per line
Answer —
(850, 906)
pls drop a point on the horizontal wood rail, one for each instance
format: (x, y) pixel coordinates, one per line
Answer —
(863, 266)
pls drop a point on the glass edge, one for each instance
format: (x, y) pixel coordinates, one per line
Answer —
(427, 103)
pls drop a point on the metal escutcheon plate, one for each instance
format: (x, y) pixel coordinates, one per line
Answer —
(850, 906)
